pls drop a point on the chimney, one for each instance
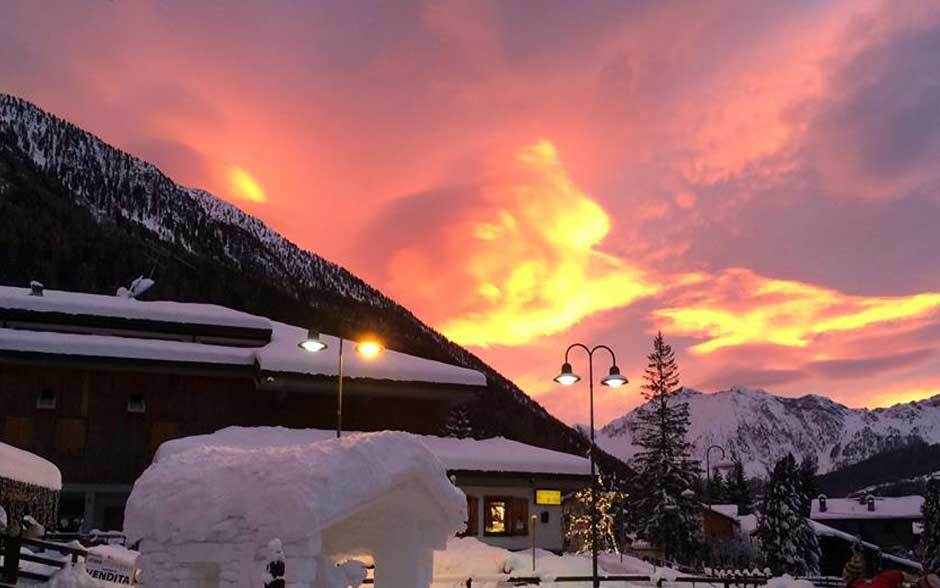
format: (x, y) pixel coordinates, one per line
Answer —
(35, 288)
(822, 503)
(870, 500)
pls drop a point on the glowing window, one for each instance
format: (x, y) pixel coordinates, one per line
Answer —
(495, 514)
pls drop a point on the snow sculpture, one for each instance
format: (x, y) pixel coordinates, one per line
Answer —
(207, 516)
(274, 571)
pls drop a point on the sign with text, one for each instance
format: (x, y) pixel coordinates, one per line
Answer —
(549, 497)
(109, 570)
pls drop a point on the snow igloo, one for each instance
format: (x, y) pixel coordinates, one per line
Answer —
(206, 517)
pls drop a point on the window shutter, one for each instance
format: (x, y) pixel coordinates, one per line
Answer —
(473, 517)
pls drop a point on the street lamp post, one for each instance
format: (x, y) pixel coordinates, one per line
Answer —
(708, 469)
(614, 379)
(368, 348)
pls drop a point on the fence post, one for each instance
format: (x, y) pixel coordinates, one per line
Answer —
(11, 559)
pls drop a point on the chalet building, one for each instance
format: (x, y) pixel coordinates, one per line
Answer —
(888, 522)
(96, 383)
(720, 523)
(507, 483)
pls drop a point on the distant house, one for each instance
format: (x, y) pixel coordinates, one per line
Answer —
(888, 522)
(96, 383)
(720, 523)
(507, 483)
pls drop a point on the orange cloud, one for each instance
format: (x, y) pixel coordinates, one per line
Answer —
(528, 259)
(243, 185)
(740, 307)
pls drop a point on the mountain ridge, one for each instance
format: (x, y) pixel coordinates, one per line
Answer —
(760, 427)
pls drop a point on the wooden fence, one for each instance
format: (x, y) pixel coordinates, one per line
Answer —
(10, 572)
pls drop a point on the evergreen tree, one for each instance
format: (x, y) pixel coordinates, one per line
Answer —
(931, 534)
(611, 501)
(717, 488)
(458, 424)
(738, 489)
(808, 485)
(788, 542)
(665, 505)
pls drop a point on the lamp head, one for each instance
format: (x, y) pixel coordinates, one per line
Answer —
(370, 348)
(312, 343)
(567, 377)
(614, 379)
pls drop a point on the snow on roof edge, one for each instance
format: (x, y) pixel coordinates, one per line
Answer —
(23, 466)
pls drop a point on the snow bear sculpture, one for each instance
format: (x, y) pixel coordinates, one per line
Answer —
(206, 516)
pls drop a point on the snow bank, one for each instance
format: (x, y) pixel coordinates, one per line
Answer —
(496, 454)
(788, 582)
(283, 492)
(23, 466)
(490, 566)
(74, 576)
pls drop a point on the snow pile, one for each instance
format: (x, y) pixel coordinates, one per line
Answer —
(788, 582)
(490, 566)
(496, 454)
(285, 492)
(73, 576)
(22, 466)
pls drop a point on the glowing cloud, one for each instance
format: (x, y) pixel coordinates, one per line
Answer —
(739, 307)
(244, 186)
(528, 265)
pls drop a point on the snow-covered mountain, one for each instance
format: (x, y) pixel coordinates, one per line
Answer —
(760, 428)
(77, 213)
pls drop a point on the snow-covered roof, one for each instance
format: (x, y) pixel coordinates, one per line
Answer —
(822, 530)
(280, 354)
(23, 466)
(496, 454)
(80, 303)
(285, 492)
(728, 510)
(899, 507)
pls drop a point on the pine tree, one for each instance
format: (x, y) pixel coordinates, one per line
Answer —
(808, 485)
(665, 504)
(931, 534)
(458, 424)
(788, 541)
(611, 501)
(717, 488)
(738, 489)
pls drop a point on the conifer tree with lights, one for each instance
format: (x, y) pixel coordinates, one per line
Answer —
(665, 504)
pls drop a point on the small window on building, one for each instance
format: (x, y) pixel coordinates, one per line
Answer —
(505, 515)
(136, 404)
(46, 399)
(70, 436)
(473, 517)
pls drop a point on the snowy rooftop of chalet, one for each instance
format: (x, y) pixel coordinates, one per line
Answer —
(80, 303)
(900, 507)
(23, 466)
(281, 354)
(496, 454)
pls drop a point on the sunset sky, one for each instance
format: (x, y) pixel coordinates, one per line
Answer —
(759, 180)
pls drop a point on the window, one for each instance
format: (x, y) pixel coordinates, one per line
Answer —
(548, 497)
(505, 515)
(70, 436)
(46, 399)
(136, 404)
(473, 517)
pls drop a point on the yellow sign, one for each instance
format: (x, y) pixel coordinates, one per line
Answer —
(548, 497)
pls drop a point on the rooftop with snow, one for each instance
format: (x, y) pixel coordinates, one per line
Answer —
(92, 326)
(885, 507)
(496, 454)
